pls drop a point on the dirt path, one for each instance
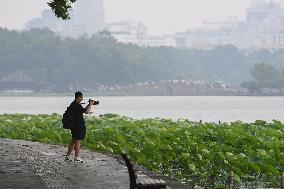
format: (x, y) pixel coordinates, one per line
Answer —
(34, 165)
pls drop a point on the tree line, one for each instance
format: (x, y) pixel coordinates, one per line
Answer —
(40, 56)
(264, 76)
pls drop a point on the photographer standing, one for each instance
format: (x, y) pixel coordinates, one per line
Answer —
(79, 128)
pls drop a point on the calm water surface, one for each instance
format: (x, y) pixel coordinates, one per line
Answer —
(192, 107)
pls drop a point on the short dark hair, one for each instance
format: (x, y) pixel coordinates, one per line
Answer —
(78, 94)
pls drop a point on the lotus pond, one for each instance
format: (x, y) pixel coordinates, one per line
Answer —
(196, 153)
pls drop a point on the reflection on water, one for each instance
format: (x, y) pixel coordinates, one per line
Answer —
(192, 107)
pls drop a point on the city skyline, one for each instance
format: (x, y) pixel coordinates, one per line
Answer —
(160, 16)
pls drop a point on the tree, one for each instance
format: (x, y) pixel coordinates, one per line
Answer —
(264, 73)
(61, 8)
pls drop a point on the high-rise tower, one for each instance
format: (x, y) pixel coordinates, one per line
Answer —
(90, 14)
(260, 9)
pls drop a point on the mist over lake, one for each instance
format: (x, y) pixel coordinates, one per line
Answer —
(212, 108)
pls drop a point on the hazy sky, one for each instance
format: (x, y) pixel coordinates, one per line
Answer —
(160, 16)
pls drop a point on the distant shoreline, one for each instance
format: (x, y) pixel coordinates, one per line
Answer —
(35, 94)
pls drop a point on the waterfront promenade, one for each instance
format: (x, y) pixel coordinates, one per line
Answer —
(36, 165)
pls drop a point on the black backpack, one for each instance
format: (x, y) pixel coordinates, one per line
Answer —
(67, 119)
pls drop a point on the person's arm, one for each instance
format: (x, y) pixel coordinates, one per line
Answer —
(89, 106)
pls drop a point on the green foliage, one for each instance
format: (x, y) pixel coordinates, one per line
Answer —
(41, 58)
(200, 154)
(265, 76)
(42, 128)
(61, 8)
(264, 73)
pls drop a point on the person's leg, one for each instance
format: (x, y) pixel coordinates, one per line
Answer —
(80, 136)
(69, 151)
(77, 151)
(77, 147)
(71, 147)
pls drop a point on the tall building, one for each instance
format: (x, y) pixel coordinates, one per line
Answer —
(263, 28)
(259, 10)
(87, 18)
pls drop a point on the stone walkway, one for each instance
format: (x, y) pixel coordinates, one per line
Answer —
(34, 165)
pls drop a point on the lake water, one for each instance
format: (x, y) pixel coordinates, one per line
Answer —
(212, 108)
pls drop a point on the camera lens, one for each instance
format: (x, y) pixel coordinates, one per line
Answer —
(95, 102)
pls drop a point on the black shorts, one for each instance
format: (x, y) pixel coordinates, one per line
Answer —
(78, 133)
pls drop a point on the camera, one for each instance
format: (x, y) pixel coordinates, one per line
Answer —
(94, 102)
